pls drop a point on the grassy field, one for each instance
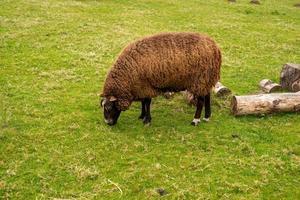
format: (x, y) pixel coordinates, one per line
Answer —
(54, 56)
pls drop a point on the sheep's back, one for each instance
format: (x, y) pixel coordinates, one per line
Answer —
(175, 61)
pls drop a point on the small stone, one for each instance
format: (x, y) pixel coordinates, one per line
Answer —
(157, 166)
(161, 191)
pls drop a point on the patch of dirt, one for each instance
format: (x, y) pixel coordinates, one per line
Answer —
(255, 2)
(297, 5)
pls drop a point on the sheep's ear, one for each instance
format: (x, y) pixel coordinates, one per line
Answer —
(112, 98)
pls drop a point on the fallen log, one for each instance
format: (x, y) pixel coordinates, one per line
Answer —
(290, 77)
(265, 103)
(221, 90)
(268, 86)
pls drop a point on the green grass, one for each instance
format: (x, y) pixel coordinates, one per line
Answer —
(54, 56)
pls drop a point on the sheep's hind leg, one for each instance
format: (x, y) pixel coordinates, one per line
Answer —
(207, 107)
(143, 109)
(200, 102)
(147, 117)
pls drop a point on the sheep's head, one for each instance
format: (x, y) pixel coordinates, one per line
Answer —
(111, 110)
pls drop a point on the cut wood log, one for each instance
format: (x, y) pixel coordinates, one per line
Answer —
(296, 86)
(290, 77)
(189, 98)
(268, 86)
(221, 90)
(265, 103)
(168, 95)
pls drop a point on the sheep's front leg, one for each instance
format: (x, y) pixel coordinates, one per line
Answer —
(147, 117)
(199, 106)
(143, 113)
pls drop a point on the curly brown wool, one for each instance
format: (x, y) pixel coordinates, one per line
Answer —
(164, 62)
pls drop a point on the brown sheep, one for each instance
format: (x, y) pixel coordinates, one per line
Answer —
(164, 62)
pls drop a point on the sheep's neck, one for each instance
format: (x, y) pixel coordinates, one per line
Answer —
(118, 83)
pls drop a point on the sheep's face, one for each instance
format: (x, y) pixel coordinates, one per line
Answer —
(111, 112)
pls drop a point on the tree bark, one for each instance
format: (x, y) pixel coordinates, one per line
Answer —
(268, 86)
(265, 103)
(290, 77)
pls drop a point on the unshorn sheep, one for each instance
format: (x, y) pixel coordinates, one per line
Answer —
(163, 62)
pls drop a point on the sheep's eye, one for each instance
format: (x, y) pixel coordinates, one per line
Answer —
(107, 107)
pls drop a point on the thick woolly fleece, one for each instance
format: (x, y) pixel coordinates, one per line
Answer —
(164, 62)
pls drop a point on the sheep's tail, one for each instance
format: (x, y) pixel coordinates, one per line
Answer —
(219, 62)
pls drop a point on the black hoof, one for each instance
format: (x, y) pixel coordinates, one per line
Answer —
(141, 117)
(147, 121)
(193, 124)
